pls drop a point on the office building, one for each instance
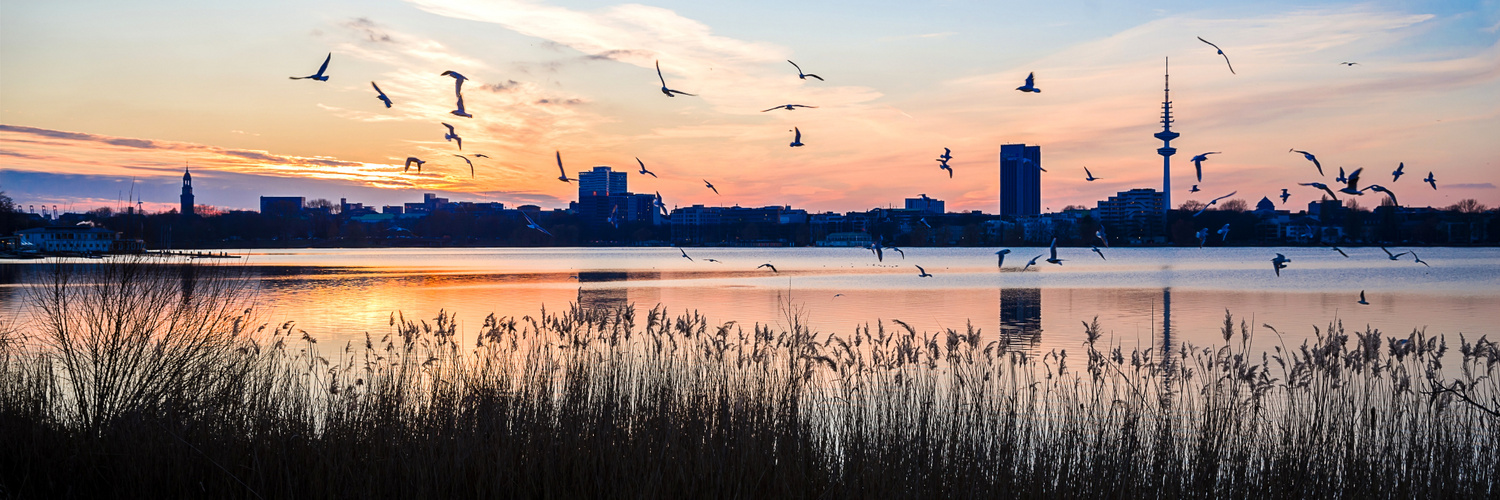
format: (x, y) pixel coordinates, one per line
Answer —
(1020, 180)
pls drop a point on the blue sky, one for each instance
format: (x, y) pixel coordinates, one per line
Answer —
(95, 92)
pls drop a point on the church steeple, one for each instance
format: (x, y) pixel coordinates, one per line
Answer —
(187, 193)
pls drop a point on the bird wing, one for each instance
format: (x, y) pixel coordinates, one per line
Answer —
(1225, 196)
(770, 109)
(1086, 171)
(799, 134)
(324, 67)
(794, 65)
(1387, 252)
(1054, 248)
(377, 89)
(559, 165)
(481, 155)
(1216, 47)
(1030, 77)
(1353, 180)
(923, 271)
(450, 128)
(658, 74)
(1226, 61)
(816, 76)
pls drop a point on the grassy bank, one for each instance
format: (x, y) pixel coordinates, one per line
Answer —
(145, 380)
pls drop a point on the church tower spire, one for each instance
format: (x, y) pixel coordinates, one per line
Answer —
(187, 193)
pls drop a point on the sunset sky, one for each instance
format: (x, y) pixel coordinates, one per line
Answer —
(96, 94)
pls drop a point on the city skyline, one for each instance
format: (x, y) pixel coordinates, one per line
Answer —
(576, 79)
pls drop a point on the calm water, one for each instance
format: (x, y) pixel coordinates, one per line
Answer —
(340, 294)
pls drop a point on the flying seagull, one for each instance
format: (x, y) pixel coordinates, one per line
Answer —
(1349, 64)
(898, 250)
(1223, 233)
(788, 107)
(716, 261)
(1194, 189)
(1284, 196)
(412, 159)
(1102, 238)
(768, 264)
(1396, 175)
(1339, 250)
(458, 81)
(1054, 259)
(319, 76)
(947, 155)
(1319, 185)
(1310, 158)
(381, 95)
(1221, 52)
(684, 254)
(1393, 256)
(643, 167)
(460, 111)
(797, 141)
(944, 165)
(1031, 263)
(1098, 251)
(452, 136)
(1351, 185)
(1362, 298)
(533, 225)
(1430, 180)
(471, 164)
(1419, 260)
(1030, 84)
(924, 273)
(711, 186)
(1198, 162)
(1202, 236)
(481, 155)
(458, 91)
(563, 174)
(1381, 189)
(1279, 263)
(1090, 175)
(1212, 202)
(1341, 177)
(1001, 254)
(664, 89)
(879, 252)
(802, 75)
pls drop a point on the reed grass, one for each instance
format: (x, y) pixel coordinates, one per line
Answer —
(124, 386)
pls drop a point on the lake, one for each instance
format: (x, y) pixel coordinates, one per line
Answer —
(338, 294)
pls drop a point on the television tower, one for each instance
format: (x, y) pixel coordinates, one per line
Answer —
(1166, 151)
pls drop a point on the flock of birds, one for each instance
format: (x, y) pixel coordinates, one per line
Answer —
(1351, 181)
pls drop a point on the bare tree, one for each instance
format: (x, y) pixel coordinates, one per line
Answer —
(1467, 206)
(1191, 205)
(1235, 205)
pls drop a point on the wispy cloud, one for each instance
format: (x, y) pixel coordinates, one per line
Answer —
(1473, 185)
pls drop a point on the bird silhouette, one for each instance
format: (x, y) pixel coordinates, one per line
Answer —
(1396, 174)
(1362, 298)
(453, 136)
(1223, 233)
(412, 159)
(471, 164)
(1198, 162)
(1089, 175)
(1030, 85)
(947, 155)
(1340, 251)
(923, 272)
(1032, 262)
(1419, 260)
(533, 225)
(1098, 251)
(684, 254)
(562, 174)
(1319, 185)
(1393, 256)
(788, 107)
(643, 167)
(1213, 202)
(458, 92)
(1381, 189)
(1001, 254)
(802, 75)
(711, 186)
(1221, 52)
(1054, 259)
(797, 141)
(319, 76)
(1279, 262)
(380, 95)
(1430, 180)
(1310, 158)
(1351, 184)
(1284, 196)
(664, 89)
(768, 264)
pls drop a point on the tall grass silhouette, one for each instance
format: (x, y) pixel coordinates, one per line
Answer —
(131, 383)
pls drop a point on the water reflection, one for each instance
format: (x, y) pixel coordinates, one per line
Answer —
(1020, 318)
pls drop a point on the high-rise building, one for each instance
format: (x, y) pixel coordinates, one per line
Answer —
(1020, 180)
(1133, 214)
(602, 181)
(187, 193)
